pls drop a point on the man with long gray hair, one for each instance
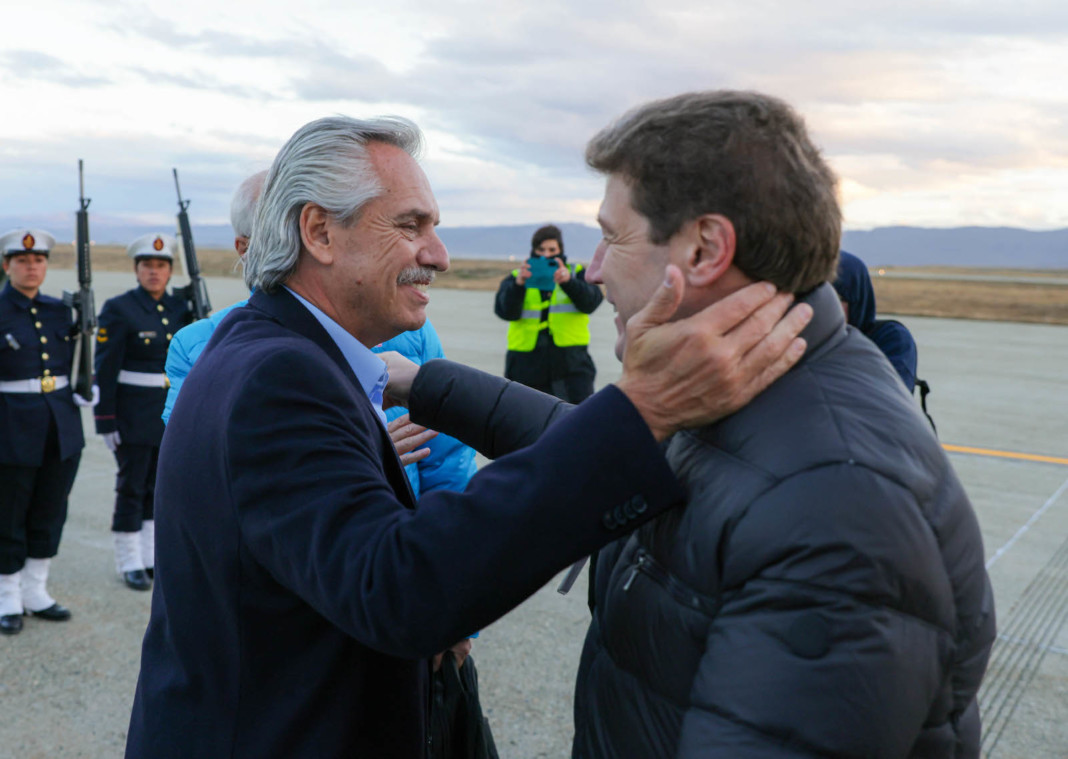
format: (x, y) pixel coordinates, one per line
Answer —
(300, 589)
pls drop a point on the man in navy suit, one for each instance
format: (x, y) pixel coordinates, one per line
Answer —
(300, 591)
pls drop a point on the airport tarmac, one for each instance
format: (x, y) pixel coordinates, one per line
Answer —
(1000, 396)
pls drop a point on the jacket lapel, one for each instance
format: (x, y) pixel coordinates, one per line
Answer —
(288, 311)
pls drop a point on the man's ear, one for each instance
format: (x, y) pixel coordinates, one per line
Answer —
(315, 233)
(711, 249)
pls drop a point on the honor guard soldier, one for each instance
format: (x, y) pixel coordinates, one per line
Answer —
(134, 331)
(40, 429)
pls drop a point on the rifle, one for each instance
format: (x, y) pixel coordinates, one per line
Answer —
(196, 292)
(82, 301)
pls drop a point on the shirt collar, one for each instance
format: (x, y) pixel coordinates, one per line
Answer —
(369, 369)
(147, 301)
(17, 297)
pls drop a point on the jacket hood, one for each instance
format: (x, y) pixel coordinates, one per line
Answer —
(854, 287)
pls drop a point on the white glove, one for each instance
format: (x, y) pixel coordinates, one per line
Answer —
(82, 403)
(112, 440)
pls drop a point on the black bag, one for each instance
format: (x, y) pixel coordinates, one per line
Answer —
(925, 390)
(457, 728)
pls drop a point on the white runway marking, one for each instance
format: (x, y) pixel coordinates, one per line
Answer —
(1027, 525)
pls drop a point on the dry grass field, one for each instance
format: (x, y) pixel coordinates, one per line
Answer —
(1041, 302)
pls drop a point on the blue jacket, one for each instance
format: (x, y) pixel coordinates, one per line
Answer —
(35, 337)
(133, 334)
(299, 591)
(448, 467)
(186, 346)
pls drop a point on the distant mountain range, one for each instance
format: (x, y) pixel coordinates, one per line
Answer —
(993, 247)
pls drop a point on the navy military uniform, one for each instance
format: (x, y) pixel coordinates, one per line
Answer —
(40, 436)
(133, 335)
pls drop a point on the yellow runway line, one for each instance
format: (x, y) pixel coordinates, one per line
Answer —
(1005, 454)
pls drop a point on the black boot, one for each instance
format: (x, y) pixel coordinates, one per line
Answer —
(11, 624)
(54, 613)
(137, 580)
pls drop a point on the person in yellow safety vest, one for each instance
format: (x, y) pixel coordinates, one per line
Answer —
(549, 330)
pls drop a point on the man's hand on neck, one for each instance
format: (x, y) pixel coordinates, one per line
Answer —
(694, 371)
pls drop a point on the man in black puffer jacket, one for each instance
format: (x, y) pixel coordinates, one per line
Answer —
(823, 592)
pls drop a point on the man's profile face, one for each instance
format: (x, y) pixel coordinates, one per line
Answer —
(626, 262)
(387, 259)
(26, 270)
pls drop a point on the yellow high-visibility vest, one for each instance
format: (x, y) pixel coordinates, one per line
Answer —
(567, 325)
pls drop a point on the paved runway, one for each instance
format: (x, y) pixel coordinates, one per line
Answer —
(998, 387)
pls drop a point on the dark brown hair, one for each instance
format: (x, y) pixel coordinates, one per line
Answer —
(548, 232)
(744, 155)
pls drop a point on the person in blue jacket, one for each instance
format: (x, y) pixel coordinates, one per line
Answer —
(41, 437)
(858, 301)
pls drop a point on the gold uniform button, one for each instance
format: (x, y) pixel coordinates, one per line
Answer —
(33, 311)
(37, 324)
(164, 320)
(47, 372)
(147, 341)
(44, 356)
(159, 306)
(44, 339)
(168, 335)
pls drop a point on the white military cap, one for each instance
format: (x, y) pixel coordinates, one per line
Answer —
(153, 246)
(26, 241)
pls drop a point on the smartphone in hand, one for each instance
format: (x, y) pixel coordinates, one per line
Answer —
(541, 273)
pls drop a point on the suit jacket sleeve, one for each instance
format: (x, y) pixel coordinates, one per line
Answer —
(491, 414)
(110, 351)
(306, 459)
(451, 464)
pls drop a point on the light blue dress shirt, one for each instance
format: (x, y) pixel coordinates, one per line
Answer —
(369, 369)
(448, 467)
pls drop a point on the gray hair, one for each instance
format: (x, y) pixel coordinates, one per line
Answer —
(243, 205)
(325, 162)
(744, 155)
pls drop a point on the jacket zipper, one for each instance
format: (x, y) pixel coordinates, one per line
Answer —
(679, 591)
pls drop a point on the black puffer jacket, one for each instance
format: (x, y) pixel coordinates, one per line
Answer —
(823, 593)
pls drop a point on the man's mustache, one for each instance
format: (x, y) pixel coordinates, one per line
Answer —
(417, 275)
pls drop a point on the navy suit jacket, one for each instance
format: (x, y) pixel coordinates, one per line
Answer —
(299, 591)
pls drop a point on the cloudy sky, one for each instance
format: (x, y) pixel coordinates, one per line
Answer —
(933, 113)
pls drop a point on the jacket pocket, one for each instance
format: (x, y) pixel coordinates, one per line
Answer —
(644, 564)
